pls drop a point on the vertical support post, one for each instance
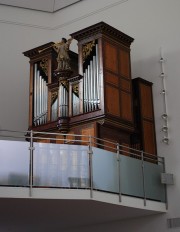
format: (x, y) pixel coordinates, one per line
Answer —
(144, 188)
(119, 172)
(90, 152)
(31, 148)
(164, 170)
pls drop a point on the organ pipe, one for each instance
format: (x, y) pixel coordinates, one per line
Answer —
(54, 109)
(91, 83)
(63, 101)
(35, 95)
(97, 76)
(40, 98)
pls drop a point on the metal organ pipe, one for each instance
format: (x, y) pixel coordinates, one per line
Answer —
(40, 98)
(59, 100)
(75, 104)
(84, 91)
(86, 88)
(95, 83)
(35, 95)
(63, 101)
(97, 76)
(89, 87)
(54, 109)
(91, 84)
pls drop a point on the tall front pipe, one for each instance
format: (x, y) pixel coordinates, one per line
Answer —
(89, 88)
(38, 97)
(59, 100)
(64, 102)
(44, 100)
(35, 94)
(95, 83)
(91, 85)
(86, 84)
(84, 91)
(97, 71)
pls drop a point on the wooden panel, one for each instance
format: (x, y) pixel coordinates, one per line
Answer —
(124, 63)
(87, 130)
(125, 84)
(146, 101)
(126, 106)
(112, 79)
(149, 137)
(61, 139)
(110, 57)
(43, 140)
(125, 149)
(71, 137)
(112, 100)
(113, 135)
(109, 145)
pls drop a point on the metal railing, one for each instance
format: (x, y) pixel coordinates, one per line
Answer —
(108, 167)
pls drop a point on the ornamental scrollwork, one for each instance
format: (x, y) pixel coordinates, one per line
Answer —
(87, 49)
(44, 66)
(75, 89)
(65, 83)
(54, 97)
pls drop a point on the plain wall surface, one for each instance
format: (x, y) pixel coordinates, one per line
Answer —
(152, 23)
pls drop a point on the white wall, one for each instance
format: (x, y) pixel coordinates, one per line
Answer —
(152, 23)
(20, 30)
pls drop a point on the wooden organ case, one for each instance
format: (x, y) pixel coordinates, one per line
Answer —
(95, 97)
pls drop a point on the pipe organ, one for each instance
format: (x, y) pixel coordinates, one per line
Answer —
(95, 95)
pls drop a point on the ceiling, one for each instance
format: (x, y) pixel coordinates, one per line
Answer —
(41, 5)
(37, 215)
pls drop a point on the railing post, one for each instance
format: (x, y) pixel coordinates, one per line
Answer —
(31, 148)
(90, 152)
(119, 170)
(144, 188)
(164, 170)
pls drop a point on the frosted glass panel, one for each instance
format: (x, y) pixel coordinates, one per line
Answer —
(131, 176)
(14, 163)
(105, 170)
(154, 189)
(60, 165)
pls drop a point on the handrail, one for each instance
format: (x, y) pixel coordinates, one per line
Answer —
(129, 151)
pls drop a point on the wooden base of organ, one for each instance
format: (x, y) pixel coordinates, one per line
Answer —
(97, 96)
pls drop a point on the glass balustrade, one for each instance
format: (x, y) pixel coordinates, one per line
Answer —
(80, 166)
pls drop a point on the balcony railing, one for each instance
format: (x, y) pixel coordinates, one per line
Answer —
(81, 162)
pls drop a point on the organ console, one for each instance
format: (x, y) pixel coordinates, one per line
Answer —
(96, 96)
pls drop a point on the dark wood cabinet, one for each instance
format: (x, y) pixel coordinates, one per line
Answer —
(97, 96)
(144, 115)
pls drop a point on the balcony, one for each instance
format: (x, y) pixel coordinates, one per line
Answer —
(77, 172)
